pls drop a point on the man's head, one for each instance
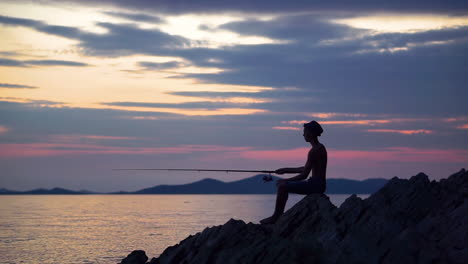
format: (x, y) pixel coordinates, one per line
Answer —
(312, 130)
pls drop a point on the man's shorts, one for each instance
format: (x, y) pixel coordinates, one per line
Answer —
(312, 185)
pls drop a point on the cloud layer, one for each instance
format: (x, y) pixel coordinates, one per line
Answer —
(391, 100)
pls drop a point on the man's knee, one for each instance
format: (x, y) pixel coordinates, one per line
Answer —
(282, 187)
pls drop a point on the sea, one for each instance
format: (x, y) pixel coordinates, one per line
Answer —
(103, 229)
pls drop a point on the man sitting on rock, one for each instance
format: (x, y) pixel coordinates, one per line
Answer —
(316, 162)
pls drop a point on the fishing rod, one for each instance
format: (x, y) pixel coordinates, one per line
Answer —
(260, 171)
(266, 178)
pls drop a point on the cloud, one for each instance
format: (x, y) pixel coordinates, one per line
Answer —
(14, 21)
(189, 105)
(286, 128)
(72, 140)
(28, 63)
(138, 17)
(215, 94)
(55, 63)
(294, 28)
(77, 138)
(9, 53)
(324, 64)
(407, 41)
(393, 154)
(16, 86)
(326, 72)
(355, 122)
(277, 6)
(63, 31)
(404, 154)
(404, 132)
(121, 39)
(32, 122)
(3, 130)
(160, 65)
(413, 77)
(11, 63)
(333, 115)
(60, 149)
(127, 39)
(284, 99)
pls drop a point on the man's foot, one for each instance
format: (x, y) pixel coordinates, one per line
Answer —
(270, 220)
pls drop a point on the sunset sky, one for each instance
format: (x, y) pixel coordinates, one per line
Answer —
(88, 86)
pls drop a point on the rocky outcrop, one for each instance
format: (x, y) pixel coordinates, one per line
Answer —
(136, 257)
(406, 221)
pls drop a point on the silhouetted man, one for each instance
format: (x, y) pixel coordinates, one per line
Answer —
(316, 162)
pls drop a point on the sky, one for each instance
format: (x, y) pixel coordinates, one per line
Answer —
(91, 86)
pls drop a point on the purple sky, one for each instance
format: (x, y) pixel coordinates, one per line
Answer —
(88, 86)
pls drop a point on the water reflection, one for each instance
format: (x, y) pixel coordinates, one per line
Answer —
(104, 228)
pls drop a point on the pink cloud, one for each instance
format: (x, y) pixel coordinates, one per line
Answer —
(357, 122)
(456, 119)
(54, 149)
(295, 122)
(404, 132)
(331, 115)
(3, 130)
(341, 122)
(464, 126)
(335, 156)
(286, 128)
(354, 122)
(402, 154)
(76, 138)
(297, 156)
(142, 117)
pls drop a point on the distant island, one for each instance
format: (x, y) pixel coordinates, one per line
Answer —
(45, 191)
(251, 185)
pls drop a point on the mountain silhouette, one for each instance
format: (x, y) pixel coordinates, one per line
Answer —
(255, 185)
(251, 185)
(45, 191)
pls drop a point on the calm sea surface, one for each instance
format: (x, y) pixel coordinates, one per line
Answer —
(74, 229)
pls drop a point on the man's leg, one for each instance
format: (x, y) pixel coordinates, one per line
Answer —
(281, 199)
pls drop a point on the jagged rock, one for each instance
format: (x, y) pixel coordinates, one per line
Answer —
(406, 221)
(136, 257)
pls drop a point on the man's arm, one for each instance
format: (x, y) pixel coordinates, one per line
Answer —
(304, 170)
(289, 170)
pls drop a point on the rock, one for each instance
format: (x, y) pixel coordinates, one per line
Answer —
(136, 257)
(406, 221)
